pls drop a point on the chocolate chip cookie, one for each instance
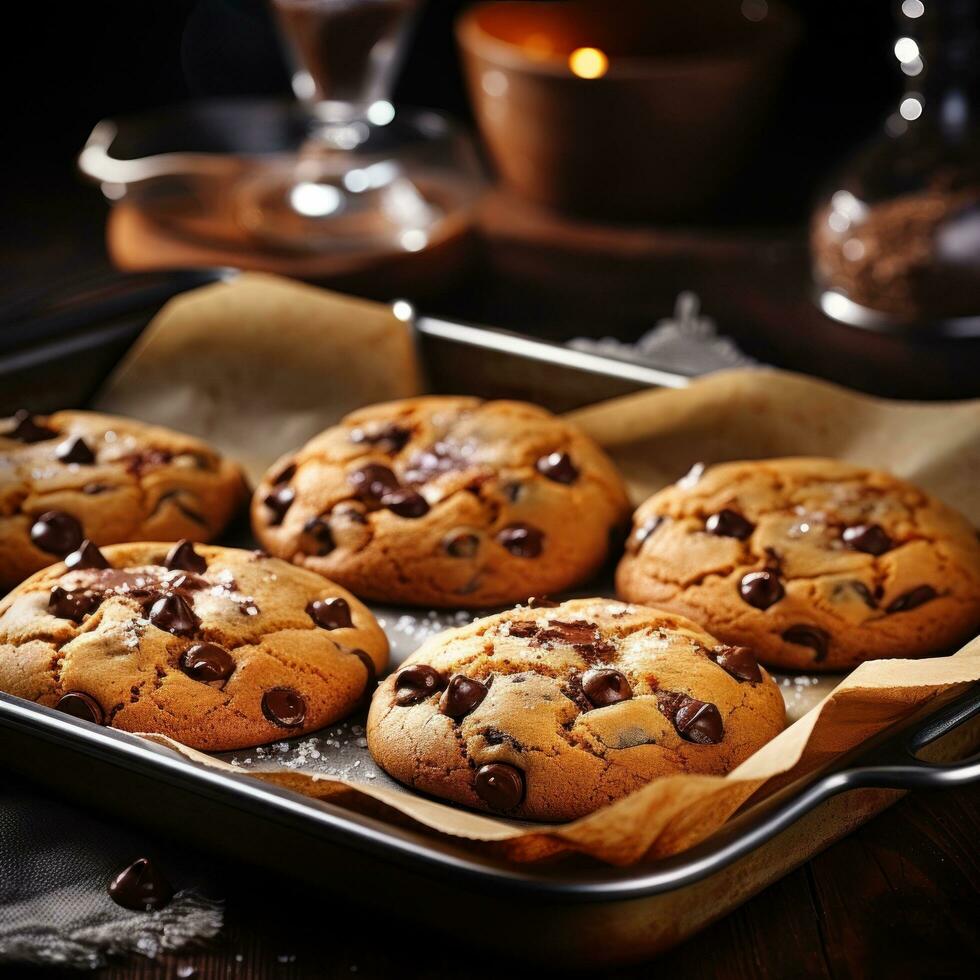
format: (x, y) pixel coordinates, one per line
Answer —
(548, 712)
(444, 502)
(816, 564)
(216, 647)
(76, 475)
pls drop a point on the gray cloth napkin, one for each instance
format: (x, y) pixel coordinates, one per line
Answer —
(56, 861)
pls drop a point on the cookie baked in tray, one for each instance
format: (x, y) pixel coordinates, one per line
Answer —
(77, 475)
(814, 563)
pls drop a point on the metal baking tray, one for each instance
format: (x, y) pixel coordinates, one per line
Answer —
(55, 352)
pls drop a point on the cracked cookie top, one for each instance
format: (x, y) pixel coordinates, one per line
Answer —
(548, 712)
(815, 563)
(75, 475)
(215, 647)
(444, 502)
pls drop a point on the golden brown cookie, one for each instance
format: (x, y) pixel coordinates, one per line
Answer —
(814, 563)
(216, 647)
(548, 713)
(76, 475)
(444, 502)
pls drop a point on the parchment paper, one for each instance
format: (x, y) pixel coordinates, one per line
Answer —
(304, 357)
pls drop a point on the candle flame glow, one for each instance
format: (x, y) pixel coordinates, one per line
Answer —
(588, 62)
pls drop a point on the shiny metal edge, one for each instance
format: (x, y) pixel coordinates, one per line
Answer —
(844, 310)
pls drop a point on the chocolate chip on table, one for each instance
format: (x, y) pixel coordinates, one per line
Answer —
(415, 683)
(317, 530)
(207, 662)
(75, 450)
(174, 614)
(557, 467)
(461, 696)
(73, 605)
(761, 589)
(406, 503)
(728, 523)
(521, 540)
(87, 555)
(739, 662)
(141, 887)
(695, 721)
(373, 481)
(604, 686)
(638, 538)
(284, 707)
(330, 614)
(816, 639)
(869, 538)
(912, 599)
(183, 557)
(80, 705)
(390, 438)
(500, 786)
(56, 533)
(28, 429)
(461, 544)
(279, 501)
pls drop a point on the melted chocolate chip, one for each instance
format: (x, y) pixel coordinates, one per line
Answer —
(523, 629)
(141, 887)
(916, 597)
(28, 429)
(869, 538)
(390, 438)
(500, 786)
(75, 450)
(80, 705)
(86, 556)
(638, 538)
(558, 467)
(739, 662)
(816, 639)
(174, 614)
(461, 544)
(406, 503)
(761, 589)
(56, 533)
(522, 540)
(415, 683)
(604, 686)
(183, 557)
(284, 707)
(373, 481)
(461, 696)
(73, 605)
(317, 531)
(207, 662)
(540, 602)
(330, 614)
(695, 721)
(284, 475)
(575, 633)
(729, 523)
(279, 501)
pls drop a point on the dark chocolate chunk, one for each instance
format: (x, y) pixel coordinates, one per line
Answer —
(816, 639)
(406, 503)
(87, 555)
(373, 481)
(729, 523)
(740, 662)
(72, 605)
(500, 786)
(284, 707)
(80, 705)
(141, 887)
(28, 429)
(207, 662)
(279, 501)
(523, 628)
(461, 544)
(57, 533)
(522, 540)
(558, 467)
(638, 538)
(416, 682)
(576, 632)
(330, 614)
(916, 597)
(183, 557)
(390, 438)
(461, 696)
(75, 450)
(540, 602)
(174, 614)
(869, 538)
(284, 475)
(317, 531)
(761, 589)
(604, 686)
(695, 721)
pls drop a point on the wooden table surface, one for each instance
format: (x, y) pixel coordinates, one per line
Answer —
(899, 898)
